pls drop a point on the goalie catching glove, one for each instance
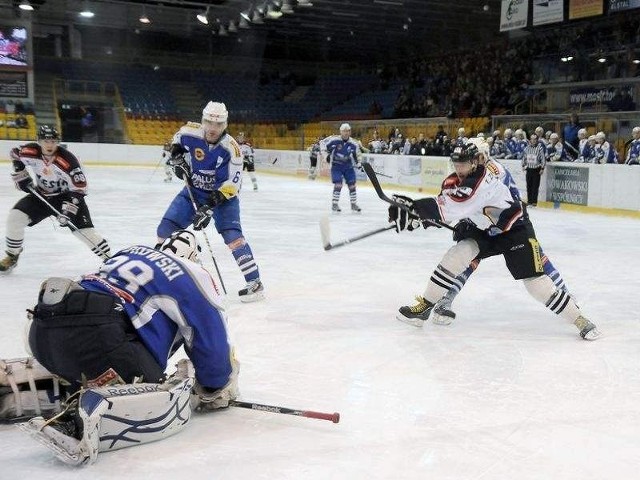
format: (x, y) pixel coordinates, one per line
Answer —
(204, 213)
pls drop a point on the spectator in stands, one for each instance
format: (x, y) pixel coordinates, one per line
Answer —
(605, 152)
(10, 107)
(414, 147)
(19, 108)
(20, 121)
(424, 145)
(440, 133)
(556, 151)
(570, 134)
(633, 152)
(377, 144)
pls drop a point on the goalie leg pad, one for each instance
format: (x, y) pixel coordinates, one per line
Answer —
(117, 417)
(27, 389)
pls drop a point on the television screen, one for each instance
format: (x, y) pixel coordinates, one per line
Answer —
(13, 46)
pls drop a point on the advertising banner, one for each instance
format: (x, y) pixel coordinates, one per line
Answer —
(567, 184)
(619, 5)
(584, 8)
(514, 14)
(13, 84)
(547, 11)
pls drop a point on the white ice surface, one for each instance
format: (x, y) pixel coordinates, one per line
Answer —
(508, 391)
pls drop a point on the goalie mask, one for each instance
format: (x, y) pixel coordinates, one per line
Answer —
(183, 244)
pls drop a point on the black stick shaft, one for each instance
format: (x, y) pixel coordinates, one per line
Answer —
(359, 237)
(334, 417)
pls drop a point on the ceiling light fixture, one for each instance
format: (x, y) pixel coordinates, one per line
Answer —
(144, 18)
(203, 17)
(273, 13)
(86, 12)
(305, 3)
(26, 6)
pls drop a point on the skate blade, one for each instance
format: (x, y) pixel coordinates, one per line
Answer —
(254, 297)
(416, 322)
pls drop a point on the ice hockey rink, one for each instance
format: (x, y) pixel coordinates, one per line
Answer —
(508, 391)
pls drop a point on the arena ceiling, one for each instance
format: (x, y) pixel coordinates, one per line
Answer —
(362, 31)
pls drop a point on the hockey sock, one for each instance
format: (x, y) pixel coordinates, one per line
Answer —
(558, 301)
(352, 194)
(16, 223)
(95, 241)
(445, 276)
(337, 187)
(246, 262)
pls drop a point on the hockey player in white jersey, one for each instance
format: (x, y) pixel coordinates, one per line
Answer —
(248, 160)
(489, 221)
(61, 183)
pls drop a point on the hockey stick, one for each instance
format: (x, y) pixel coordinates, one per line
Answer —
(325, 233)
(376, 185)
(69, 223)
(334, 417)
(206, 237)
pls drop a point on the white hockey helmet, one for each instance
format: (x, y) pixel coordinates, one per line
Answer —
(539, 131)
(592, 138)
(461, 131)
(183, 244)
(508, 132)
(344, 127)
(582, 133)
(600, 136)
(635, 131)
(215, 112)
(519, 133)
(554, 136)
(480, 135)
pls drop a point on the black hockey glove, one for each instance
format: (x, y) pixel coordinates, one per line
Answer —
(202, 217)
(464, 229)
(204, 213)
(180, 166)
(23, 180)
(401, 217)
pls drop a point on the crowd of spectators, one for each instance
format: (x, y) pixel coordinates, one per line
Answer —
(572, 144)
(477, 83)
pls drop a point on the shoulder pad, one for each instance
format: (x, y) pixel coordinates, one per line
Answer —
(191, 128)
(193, 125)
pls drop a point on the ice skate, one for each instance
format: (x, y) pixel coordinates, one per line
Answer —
(252, 292)
(588, 330)
(335, 207)
(442, 313)
(415, 315)
(355, 208)
(8, 263)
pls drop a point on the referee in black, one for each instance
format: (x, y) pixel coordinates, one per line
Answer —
(533, 162)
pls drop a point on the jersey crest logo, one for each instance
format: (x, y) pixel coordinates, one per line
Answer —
(219, 161)
(199, 154)
(492, 169)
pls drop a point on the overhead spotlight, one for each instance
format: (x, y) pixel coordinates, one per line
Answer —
(143, 18)
(286, 7)
(203, 17)
(635, 61)
(243, 23)
(232, 27)
(602, 59)
(26, 6)
(273, 13)
(86, 12)
(257, 18)
(246, 16)
(305, 3)
(569, 58)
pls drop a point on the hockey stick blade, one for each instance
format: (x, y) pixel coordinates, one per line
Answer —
(376, 185)
(333, 417)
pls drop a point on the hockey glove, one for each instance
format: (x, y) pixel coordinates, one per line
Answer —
(464, 229)
(180, 166)
(359, 166)
(401, 217)
(23, 180)
(202, 217)
(69, 211)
